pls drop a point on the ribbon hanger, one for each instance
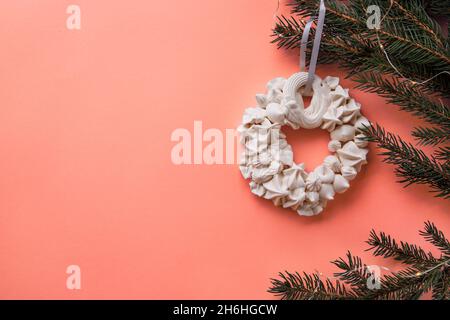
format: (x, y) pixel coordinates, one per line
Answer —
(316, 45)
(310, 117)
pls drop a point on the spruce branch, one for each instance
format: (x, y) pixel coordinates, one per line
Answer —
(408, 284)
(431, 136)
(412, 164)
(412, 49)
(424, 273)
(436, 237)
(416, 13)
(408, 96)
(293, 286)
(441, 291)
(437, 8)
(353, 273)
(398, 29)
(443, 154)
(385, 246)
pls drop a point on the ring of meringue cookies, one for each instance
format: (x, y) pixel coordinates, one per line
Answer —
(267, 159)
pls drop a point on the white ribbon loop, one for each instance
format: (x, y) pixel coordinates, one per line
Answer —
(310, 117)
(316, 46)
(304, 44)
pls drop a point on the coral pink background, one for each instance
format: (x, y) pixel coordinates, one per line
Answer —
(85, 171)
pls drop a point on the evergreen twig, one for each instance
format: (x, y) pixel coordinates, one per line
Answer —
(408, 96)
(293, 286)
(431, 136)
(408, 40)
(424, 273)
(436, 237)
(385, 246)
(412, 164)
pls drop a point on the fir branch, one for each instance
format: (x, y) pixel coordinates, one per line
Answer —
(406, 95)
(441, 290)
(287, 32)
(413, 48)
(408, 284)
(443, 154)
(412, 164)
(293, 286)
(416, 13)
(431, 136)
(359, 55)
(424, 273)
(437, 8)
(437, 238)
(385, 246)
(353, 18)
(410, 47)
(354, 273)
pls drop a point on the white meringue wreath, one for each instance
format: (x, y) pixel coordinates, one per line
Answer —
(268, 159)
